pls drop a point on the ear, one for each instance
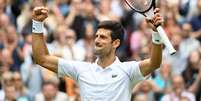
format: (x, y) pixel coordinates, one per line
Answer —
(116, 43)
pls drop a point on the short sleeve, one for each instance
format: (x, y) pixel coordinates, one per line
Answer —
(71, 69)
(133, 70)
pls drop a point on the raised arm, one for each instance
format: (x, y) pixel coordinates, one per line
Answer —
(147, 66)
(40, 52)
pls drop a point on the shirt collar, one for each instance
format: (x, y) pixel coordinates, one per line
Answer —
(111, 66)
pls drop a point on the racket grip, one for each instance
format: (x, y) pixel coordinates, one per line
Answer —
(166, 41)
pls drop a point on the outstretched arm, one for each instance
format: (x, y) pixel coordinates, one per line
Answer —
(147, 66)
(40, 52)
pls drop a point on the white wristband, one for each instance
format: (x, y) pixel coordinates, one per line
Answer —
(37, 26)
(156, 39)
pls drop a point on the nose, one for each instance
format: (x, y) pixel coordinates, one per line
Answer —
(97, 39)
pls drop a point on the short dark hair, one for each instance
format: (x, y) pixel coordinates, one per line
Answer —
(116, 28)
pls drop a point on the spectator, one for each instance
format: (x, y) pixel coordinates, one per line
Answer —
(24, 17)
(171, 25)
(4, 64)
(105, 11)
(76, 96)
(188, 8)
(148, 88)
(184, 99)
(75, 18)
(50, 93)
(175, 61)
(7, 80)
(139, 40)
(192, 74)
(21, 90)
(163, 78)
(188, 43)
(14, 47)
(2, 6)
(196, 20)
(117, 8)
(10, 93)
(178, 87)
(87, 42)
(31, 73)
(4, 20)
(140, 97)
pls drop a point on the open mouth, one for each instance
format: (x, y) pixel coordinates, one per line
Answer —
(98, 45)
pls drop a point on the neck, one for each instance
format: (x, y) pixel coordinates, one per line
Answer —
(88, 41)
(59, 43)
(106, 60)
(10, 99)
(178, 92)
(48, 99)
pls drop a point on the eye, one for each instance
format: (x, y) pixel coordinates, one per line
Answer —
(96, 36)
(103, 37)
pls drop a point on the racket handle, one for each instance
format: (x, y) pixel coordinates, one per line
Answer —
(166, 41)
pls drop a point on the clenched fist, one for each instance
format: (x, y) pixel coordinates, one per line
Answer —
(40, 13)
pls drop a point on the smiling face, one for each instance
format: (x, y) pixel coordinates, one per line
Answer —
(103, 42)
(108, 38)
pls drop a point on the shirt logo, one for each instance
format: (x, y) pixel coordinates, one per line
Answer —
(114, 75)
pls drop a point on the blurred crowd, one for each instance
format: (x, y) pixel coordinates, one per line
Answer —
(69, 31)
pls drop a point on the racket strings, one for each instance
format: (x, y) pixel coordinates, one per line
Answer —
(140, 5)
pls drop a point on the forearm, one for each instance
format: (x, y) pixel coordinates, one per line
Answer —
(39, 48)
(156, 56)
(40, 52)
(149, 65)
(69, 19)
(195, 86)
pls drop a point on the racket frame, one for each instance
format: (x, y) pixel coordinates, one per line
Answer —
(142, 12)
(162, 33)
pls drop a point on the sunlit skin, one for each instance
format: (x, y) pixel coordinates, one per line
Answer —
(104, 47)
(103, 43)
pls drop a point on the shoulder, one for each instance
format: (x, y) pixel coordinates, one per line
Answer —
(189, 94)
(78, 65)
(39, 96)
(194, 19)
(166, 98)
(129, 66)
(80, 42)
(62, 95)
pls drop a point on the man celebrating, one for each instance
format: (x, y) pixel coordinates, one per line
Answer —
(107, 79)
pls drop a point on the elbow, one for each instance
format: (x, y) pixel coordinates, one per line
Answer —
(156, 64)
(40, 60)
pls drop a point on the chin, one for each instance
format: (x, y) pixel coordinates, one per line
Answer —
(97, 52)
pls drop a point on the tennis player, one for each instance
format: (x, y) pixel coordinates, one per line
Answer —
(107, 79)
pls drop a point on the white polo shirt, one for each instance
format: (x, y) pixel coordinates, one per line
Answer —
(114, 83)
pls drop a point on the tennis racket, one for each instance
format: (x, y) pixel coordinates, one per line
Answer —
(146, 7)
